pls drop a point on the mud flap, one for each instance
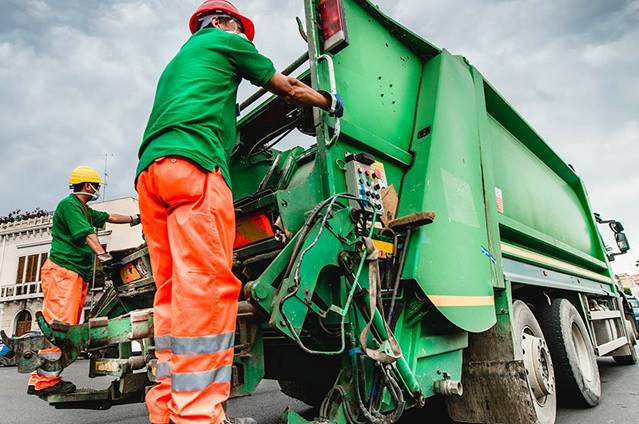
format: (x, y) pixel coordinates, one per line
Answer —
(494, 392)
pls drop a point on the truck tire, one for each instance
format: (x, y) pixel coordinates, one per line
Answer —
(632, 358)
(309, 393)
(578, 381)
(531, 347)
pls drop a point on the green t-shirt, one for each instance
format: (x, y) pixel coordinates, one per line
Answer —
(72, 222)
(194, 111)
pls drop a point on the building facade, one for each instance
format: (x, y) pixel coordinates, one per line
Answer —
(628, 281)
(24, 247)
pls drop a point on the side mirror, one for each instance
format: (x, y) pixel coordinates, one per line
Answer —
(616, 226)
(620, 237)
(622, 242)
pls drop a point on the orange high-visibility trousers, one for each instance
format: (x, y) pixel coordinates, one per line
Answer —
(64, 294)
(189, 225)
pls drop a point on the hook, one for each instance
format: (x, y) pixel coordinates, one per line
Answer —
(300, 28)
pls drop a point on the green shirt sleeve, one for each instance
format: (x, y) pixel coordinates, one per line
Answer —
(99, 218)
(249, 63)
(77, 223)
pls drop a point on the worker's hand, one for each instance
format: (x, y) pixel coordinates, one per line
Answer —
(107, 262)
(336, 107)
(135, 220)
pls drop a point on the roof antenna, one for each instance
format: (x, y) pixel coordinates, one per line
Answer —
(106, 174)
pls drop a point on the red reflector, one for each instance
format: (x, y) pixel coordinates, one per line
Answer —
(333, 25)
(251, 229)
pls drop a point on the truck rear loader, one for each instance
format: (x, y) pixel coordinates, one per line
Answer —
(427, 243)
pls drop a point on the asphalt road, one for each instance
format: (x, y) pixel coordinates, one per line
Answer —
(619, 405)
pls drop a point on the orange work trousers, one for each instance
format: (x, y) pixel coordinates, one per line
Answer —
(189, 225)
(64, 294)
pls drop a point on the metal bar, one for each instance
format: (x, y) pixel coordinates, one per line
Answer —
(398, 276)
(611, 345)
(596, 315)
(402, 365)
(529, 255)
(524, 273)
(286, 71)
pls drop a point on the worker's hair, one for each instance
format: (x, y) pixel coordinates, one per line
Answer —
(78, 187)
(207, 20)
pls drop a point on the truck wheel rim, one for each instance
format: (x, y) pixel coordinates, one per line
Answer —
(538, 366)
(583, 356)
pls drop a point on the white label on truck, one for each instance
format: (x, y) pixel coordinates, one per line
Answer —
(499, 200)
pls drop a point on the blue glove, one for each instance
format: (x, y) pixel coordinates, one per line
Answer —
(336, 108)
(108, 263)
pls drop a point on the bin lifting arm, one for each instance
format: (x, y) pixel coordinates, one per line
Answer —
(73, 339)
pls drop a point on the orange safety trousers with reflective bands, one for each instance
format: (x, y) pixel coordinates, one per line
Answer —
(64, 294)
(189, 225)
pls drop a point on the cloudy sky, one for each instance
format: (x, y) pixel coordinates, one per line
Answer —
(77, 79)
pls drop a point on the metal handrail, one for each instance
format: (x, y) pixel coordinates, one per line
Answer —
(333, 88)
(286, 71)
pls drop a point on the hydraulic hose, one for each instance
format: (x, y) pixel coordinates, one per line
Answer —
(376, 417)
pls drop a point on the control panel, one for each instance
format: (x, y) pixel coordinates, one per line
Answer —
(365, 179)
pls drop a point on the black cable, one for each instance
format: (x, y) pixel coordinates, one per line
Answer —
(294, 118)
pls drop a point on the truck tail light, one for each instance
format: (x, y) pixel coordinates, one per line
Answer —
(333, 25)
(251, 229)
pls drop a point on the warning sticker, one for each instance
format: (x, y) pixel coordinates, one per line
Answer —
(499, 200)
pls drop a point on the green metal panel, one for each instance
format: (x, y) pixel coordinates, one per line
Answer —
(488, 175)
(546, 208)
(534, 195)
(240, 169)
(377, 67)
(449, 258)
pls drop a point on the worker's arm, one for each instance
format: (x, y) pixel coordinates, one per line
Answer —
(94, 243)
(105, 258)
(296, 92)
(115, 218)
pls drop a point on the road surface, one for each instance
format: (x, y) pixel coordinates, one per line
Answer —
(619, 405)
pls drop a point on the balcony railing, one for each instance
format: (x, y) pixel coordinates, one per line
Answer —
(11, 292)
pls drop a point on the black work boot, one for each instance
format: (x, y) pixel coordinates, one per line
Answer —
(62, 388)
(31, 389)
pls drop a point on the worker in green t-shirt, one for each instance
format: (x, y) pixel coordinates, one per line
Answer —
(64, 275)
(186, 206)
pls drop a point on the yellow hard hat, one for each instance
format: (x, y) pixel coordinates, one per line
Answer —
(84, 174)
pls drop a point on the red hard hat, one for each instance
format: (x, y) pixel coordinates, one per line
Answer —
(223, 6)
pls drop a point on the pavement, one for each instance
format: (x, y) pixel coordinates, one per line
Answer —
(619, 404)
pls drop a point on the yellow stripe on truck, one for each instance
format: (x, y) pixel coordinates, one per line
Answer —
(445, 300)
(520, 252)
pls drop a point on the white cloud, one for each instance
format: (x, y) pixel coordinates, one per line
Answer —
(78, 81)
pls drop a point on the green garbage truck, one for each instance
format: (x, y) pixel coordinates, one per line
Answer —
(428, 243)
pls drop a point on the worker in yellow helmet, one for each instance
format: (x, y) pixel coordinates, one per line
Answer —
(70, 265)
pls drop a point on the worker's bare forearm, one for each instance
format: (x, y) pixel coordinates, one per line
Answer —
(115, 218)
(94, 243)
(296, 92)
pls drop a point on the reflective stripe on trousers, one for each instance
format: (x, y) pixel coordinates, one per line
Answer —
(195, 345)
(189, 224)
(192, 381)
(64, 294)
